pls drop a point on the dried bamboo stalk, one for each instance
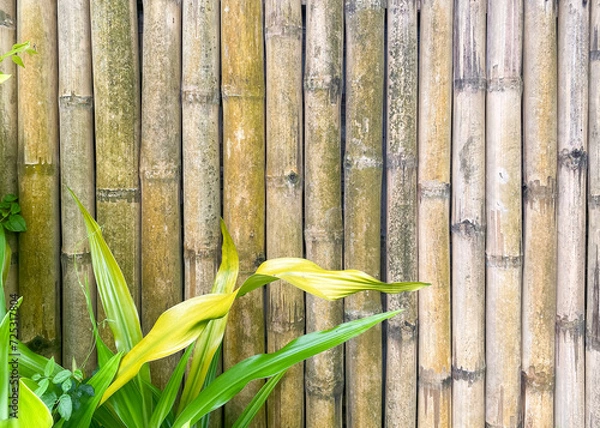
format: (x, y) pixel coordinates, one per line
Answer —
(401, 228)
(8, 128)
(284, 180)
(201, 152)
(77, 172)
(160, 169)
(243, 94)
(539, 228)
(468, 216)
(39, 247)
(324, 382)
(503, 192)
(592, 383)
(117, 126)
(435, 102)
(573, 46)
(363, 165)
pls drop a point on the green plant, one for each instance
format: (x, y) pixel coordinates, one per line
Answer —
(18, 48)
(121, 394)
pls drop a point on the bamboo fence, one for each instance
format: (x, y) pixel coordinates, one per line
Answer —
(454, 142)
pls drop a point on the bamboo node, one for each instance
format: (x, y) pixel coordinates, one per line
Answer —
(324, 386)
(470, 84)
(161, 171)
(594, 201)
(41, 168)
(595, 55)
(289, 31)
(353, 6)
(538, 381)
(6, 20)
(470, 376)
(502, 84)
(116, 195)
(400, 161)
(314, 234)
(84, 257)
(505, 262)
(362, 162)
(333, 85)
(573, 158)
(434, 190)
(468, 228)
(73, 101)
(194, 96)
(235, 91)
(575, 328)
(431, 379)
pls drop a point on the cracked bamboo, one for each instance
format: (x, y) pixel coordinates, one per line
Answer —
(284, 180)
(324, 381)
(503, 207)
(77, 172)
(117, 125)
(363, 167)
(592, 384)
(468, 216)
(160, 169)
(401, 227)
(573, 52)
(8, 128)
(39, 247)
(539, 228)
(435, 104)
(243, 91)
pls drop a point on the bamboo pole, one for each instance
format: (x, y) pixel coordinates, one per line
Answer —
(201, 150)
(77, 172)
(8, 128)
(401, 227)
(39, 247)
(160, 169)
(468, 216)
(117, 126)
(539, 228)
(503, 192)
(284, 180)
(324, 381)
(573, 53)
(362, 202)
(243, 94)
(435, 102)
(592, 369)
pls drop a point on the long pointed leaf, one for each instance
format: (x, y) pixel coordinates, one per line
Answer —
(32, 411)
(258, 401)
(227, 385)
(326, 284)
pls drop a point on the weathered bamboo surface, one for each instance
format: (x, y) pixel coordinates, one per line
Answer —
(503, 200)
(77, 172)
(539, 212)
(160, 169)
(284, 180)
(468, 215)
(435, 106)
(573, 48)
(115, 64)
(363, 166)
(8, 128)
(323, 234)
(243, 91)
(592, 369)
(401, 211)
(39, 247)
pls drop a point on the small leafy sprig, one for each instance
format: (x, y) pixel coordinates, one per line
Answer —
(62, 392)
(14, 55)
(10, 218)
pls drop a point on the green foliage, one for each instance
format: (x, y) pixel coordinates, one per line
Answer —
(10, 218)
(13, 54)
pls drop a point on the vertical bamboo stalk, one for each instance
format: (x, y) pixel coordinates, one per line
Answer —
(503, 192)
(243, 94)
(77, 171)
(401, 228)
(593, 308)
(8, 127)
(323, 198)
(362, 202)
(539, 228)
(117, 119)
(160, 169)
(573, 53)
(592, 370)
(201, 151)
(435, 103)
(284, 180)
(39, 247)
(468, 216)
